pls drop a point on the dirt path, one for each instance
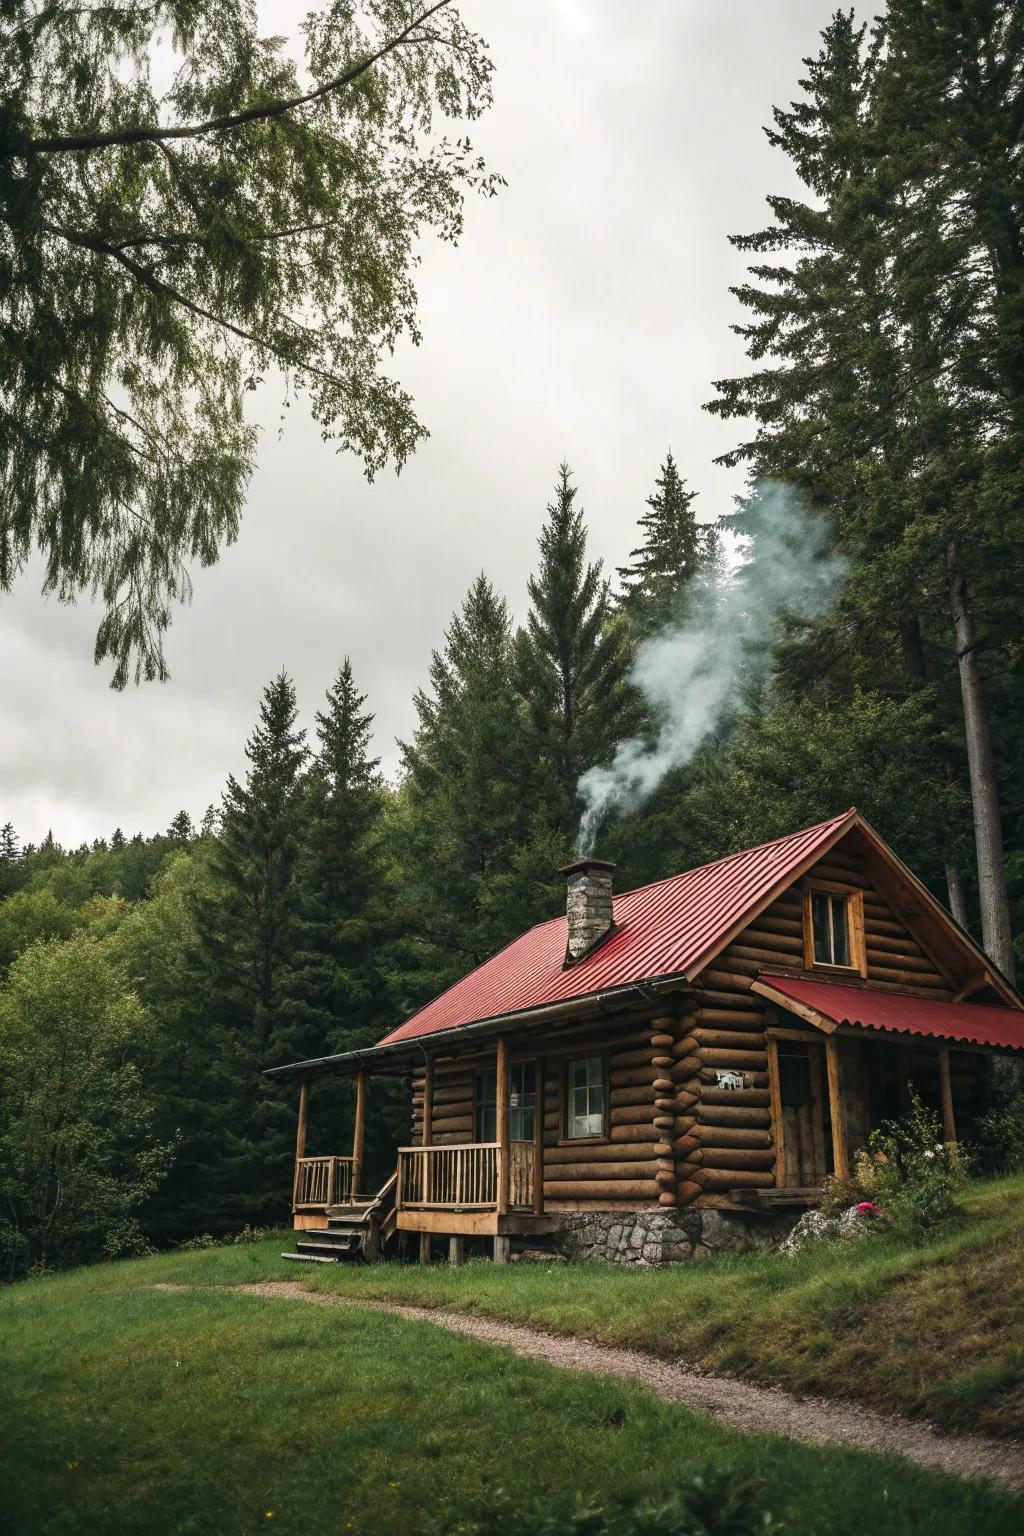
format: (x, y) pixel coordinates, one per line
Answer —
(742, 1404)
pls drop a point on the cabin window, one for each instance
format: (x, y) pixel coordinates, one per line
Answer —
(834, 927)
(585, 1097)
(522, 1095)
(831, 928)
(486, 1106)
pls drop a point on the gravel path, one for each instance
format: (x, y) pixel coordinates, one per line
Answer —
(741, 1404)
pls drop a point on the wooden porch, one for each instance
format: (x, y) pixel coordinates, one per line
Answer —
(464, 1189)
(458, 1189)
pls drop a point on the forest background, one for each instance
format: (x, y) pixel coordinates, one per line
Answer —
(146, 981)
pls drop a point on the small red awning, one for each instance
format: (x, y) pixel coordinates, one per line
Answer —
(829, 1004)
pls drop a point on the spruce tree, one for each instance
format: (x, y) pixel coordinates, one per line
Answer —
(247, 927)
(181, 829)
(673, 553)
(10, 860)
(468, 806)
(338, 994)
(572, 658)
(341, 871)
(254, 857)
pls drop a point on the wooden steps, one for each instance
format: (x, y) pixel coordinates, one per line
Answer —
(356, 1230)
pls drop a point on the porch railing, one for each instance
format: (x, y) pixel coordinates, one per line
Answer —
(322, 1181)
(463, 1177)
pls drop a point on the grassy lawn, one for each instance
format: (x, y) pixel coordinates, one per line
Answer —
(936, 1330)
(126, 1410)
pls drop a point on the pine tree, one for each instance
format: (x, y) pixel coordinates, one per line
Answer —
(341, 873)
(181, 829)
(572, 658)
(248, 930)
(468, 805)
(254, 857)
(674, 551)
(338, 994)
(117, 839)
(10, 860)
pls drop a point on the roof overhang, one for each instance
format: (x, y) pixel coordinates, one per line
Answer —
(402, 1055)
(935, 929)
(827, 1005)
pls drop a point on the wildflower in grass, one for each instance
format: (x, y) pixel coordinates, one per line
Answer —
(915, 1177)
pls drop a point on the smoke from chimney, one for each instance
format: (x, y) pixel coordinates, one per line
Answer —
(692, 671)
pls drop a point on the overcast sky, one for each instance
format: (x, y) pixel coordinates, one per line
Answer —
(584, 316)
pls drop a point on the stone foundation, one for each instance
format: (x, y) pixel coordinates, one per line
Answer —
(667, 1237)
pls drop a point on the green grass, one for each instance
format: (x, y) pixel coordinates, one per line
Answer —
(936, 1330)
(126, 1411)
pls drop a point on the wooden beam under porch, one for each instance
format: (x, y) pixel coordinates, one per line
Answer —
(475, 1223)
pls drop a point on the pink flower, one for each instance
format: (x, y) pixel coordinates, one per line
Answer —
(867, 1208)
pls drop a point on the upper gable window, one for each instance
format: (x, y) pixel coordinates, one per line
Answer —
(830, 928)
(834, 927)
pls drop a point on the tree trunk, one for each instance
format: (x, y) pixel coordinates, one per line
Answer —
(996, 934)
(913, 648)
(956, 892)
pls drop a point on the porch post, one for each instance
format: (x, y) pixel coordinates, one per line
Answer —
(428, 1127)
(538, 1136)
(946, 1086)
(840, 1157)
(775, 1109)
(501, 1103)
(359, 1132)
(300, 1136)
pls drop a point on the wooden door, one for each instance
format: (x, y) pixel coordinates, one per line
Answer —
(803, 1102)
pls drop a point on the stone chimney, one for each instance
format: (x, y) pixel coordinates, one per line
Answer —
(588, 905)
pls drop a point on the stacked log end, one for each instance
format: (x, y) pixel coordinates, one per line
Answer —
(723, 1135)
(664, 1036)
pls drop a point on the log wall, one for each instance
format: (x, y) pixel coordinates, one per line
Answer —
(621, 1172)
(452, 1106)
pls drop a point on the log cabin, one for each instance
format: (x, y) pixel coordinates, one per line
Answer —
(658, 1071)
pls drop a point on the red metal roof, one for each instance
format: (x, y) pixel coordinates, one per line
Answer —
(978, 1023)
(666, 929)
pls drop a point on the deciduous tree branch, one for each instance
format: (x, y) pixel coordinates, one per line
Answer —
(78, 143)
